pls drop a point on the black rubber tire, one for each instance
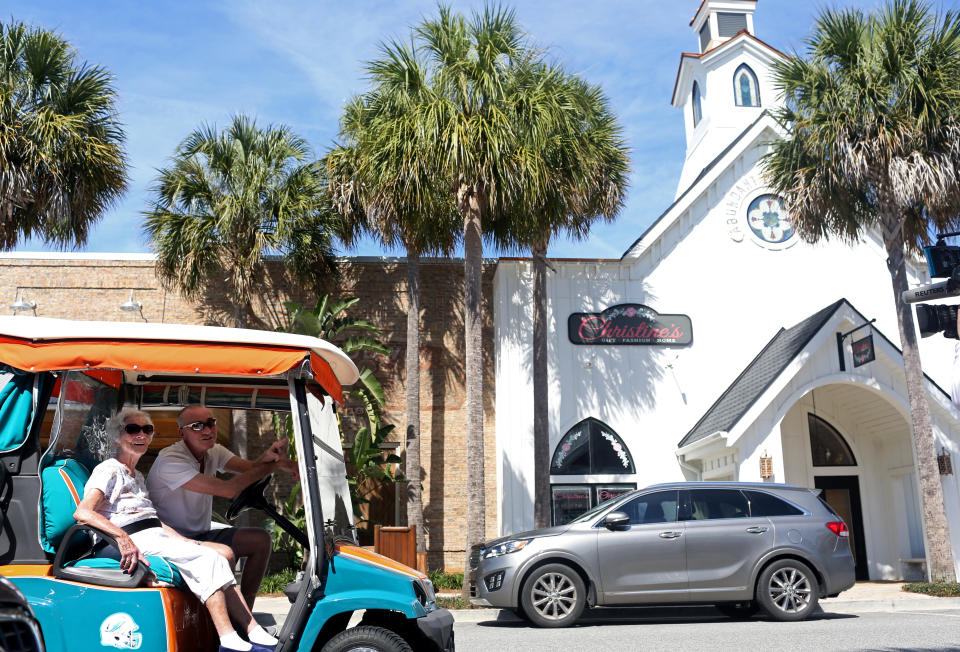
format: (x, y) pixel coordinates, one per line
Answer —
(569, 596)
(774, 594)
(366, 638)
(519, 612)
(738, 610)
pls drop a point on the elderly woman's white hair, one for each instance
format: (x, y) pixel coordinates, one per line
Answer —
(119, 420)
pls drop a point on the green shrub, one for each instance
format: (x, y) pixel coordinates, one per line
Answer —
(277, 582)
(446, 581)
(938, 589)
(456, 603)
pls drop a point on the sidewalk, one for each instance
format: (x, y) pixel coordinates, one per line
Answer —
(863, 597)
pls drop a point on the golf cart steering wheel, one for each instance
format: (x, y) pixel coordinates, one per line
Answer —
(251, 497)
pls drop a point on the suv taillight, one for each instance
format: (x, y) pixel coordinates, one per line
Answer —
(839, 528)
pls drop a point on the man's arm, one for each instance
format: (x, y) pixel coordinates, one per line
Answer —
(204, 484)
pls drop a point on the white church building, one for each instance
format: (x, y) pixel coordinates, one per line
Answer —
(719, 346)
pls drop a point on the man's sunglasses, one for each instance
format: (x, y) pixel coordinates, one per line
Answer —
(198, 426)
(135, 428)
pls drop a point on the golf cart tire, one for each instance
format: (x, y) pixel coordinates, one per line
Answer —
(369, 638)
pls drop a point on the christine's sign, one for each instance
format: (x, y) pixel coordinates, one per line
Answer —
(630, 323)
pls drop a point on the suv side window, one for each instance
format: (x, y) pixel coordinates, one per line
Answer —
(656, 507)
(763, 504)
(717, 503)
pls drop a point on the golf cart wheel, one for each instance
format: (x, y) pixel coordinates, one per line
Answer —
(738, 610)
(787, 590)
(366, 639)
(553, 596)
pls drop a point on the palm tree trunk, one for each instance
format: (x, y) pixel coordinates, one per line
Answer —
(468, 203)
(541, 404)
(936, 534)
(414, 486)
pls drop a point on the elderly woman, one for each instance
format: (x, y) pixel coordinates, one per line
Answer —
(115, 501)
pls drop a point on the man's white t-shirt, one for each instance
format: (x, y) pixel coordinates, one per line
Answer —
(188, 512)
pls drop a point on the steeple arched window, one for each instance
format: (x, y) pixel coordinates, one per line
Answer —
(697, 107)
(746, 91)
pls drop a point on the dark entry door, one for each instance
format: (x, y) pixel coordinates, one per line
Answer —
(842, 493)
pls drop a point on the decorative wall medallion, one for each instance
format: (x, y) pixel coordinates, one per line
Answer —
(751, 208)
(769, 220)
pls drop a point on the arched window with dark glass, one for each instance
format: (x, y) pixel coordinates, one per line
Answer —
(697, 108)
(827, 446)
(745, 87)
(590, 448)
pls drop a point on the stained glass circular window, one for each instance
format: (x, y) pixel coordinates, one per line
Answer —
(769, 220)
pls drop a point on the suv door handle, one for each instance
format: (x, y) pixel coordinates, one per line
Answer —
(670, 535)
(756, 529)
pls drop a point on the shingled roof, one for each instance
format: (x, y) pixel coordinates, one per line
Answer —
(758, 375)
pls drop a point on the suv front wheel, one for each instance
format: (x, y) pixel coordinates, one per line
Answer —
(553, 596)
(787, 590)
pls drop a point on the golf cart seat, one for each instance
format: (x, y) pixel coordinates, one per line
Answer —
(77, 558)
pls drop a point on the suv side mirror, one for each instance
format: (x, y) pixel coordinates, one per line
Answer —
(616, 520)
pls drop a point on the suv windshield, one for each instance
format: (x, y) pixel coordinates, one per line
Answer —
(590, 513)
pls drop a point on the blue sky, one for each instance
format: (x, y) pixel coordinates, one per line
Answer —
(179, 64)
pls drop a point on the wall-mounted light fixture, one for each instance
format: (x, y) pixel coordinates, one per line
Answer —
(21, 303)
(132, 305)
(943, 461)
(766, 466)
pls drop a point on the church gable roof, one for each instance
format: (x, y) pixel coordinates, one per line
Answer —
(710, 172)
(765, 368)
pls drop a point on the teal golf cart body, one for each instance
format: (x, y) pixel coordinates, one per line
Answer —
(82, 373)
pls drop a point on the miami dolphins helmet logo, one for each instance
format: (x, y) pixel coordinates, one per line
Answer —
(120, 631)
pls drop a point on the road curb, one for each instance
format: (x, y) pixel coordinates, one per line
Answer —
(927, 603)
(910, 604)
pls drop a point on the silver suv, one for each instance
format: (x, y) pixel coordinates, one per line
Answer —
(740, 546)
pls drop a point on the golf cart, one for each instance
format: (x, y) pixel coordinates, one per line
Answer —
(59, 383)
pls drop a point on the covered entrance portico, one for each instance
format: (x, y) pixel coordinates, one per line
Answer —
(794, 416)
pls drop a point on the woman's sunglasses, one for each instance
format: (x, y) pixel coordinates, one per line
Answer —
(135, 428)
(198, 426)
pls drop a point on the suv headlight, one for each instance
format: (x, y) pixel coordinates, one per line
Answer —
(505, 548)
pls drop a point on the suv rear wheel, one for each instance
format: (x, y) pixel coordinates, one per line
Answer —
(787, 590)
(553, 596)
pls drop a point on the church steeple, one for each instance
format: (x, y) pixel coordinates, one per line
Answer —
(725, 86)
(717, 21)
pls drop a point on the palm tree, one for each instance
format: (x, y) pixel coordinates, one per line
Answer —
(381, 185)
(872, 144)
(477, 123)
(229, 200)
(61, 144)
(587, 167)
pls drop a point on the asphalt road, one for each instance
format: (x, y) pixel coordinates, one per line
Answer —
(703, 629)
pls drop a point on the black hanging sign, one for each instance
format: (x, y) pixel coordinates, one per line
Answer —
(863, 351)
(630, 323)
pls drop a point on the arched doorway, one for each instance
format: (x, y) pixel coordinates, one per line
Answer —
(853, 442)
(829, 450)
(591, 464)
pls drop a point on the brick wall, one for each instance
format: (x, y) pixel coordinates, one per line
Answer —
(86, 287)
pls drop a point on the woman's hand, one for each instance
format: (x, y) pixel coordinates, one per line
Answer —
(129, 554)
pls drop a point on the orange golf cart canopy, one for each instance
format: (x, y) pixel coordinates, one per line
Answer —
(40, 344)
